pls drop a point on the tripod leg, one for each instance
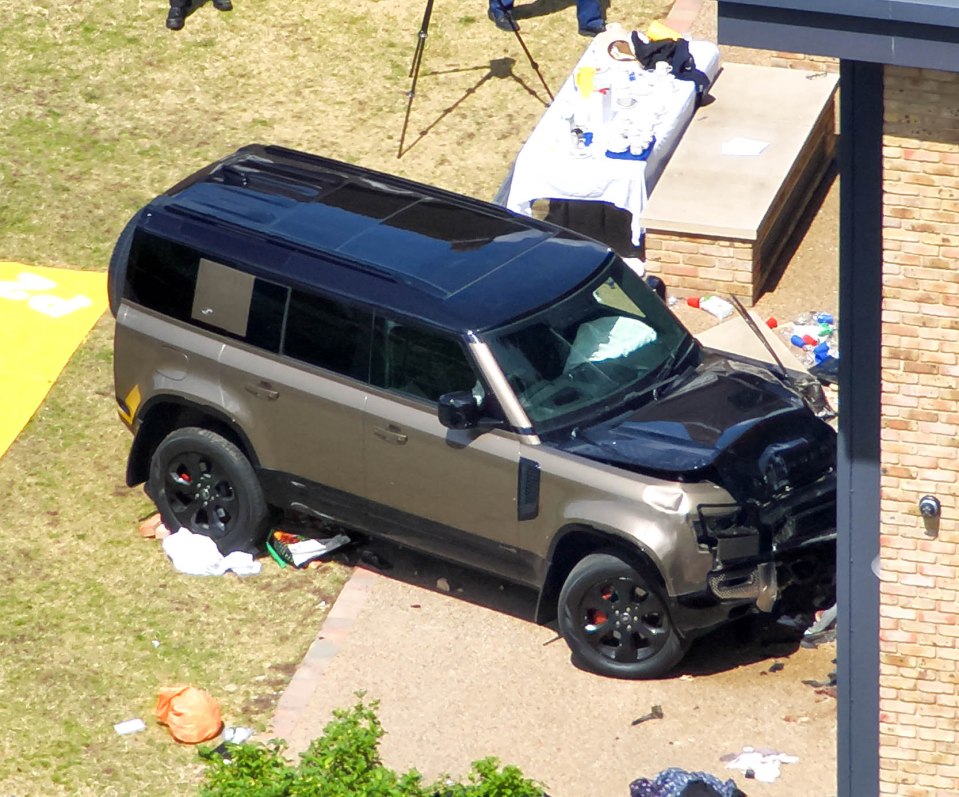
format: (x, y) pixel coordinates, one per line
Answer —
(529, 55)
(415, 69)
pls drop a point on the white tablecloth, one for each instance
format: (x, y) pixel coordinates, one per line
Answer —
(548, 166)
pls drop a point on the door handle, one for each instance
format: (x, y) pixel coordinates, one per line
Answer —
(263, 390)
(391, 434)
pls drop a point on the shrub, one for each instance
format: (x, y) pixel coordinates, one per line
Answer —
(345, 762)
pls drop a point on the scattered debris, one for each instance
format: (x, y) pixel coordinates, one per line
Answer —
(191, 715)
(655, 713)
(232, 736)
(822, 630)
(777, 666)
(816, 335)
(442, 585)
(764, 765)
(237, 734)
(127, 727)
(197, 555)
(153, 528)
(831, 681)
(714, 305)
(297, 550)
(675, 782)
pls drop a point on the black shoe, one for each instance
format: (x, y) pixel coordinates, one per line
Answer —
(175, 18)
(223, 5)
(502, 20)
(593, 30)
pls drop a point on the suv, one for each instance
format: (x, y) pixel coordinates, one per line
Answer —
(295, 334)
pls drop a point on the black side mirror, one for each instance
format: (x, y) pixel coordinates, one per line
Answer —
(458, 410)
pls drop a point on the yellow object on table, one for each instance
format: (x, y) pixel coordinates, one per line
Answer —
(585, 76)
(658, 31)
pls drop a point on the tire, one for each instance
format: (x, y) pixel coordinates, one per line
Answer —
(201, 481)
(615, 620)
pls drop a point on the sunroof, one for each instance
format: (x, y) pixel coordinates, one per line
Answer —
(443, 245)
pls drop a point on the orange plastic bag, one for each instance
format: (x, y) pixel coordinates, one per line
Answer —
(191, 715)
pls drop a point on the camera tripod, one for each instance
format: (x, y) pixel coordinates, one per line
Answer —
(418, 60)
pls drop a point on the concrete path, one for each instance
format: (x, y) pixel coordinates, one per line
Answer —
(461, 675)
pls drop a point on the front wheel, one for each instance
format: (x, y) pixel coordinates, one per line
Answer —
(615, 621)
(202, 482)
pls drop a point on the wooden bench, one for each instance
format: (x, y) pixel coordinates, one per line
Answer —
(723, 223)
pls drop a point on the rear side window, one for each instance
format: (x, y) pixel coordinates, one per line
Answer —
(329, 334)
(178, 282)
(162, 276)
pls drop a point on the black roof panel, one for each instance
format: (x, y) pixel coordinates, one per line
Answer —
(455, 261)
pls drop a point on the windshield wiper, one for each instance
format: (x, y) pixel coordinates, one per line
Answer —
(666, 374)
(755, 330)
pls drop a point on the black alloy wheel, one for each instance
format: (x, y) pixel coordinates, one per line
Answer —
(202, 482)
(615, 620)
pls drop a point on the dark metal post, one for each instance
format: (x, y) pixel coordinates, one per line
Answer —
(860, 312)
(415, 69)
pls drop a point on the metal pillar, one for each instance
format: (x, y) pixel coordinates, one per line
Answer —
(860, 312)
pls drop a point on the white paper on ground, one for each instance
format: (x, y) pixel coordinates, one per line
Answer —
(746, 147)
(130, 726)
(197, 555)
(765, 764)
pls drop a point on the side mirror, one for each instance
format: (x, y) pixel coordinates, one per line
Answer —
(458, 410)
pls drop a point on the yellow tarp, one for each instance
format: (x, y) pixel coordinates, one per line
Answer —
(45, 314)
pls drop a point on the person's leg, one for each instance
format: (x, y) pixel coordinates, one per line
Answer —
(499, 11)
(223, 5)
(589, 15)
(176, 14)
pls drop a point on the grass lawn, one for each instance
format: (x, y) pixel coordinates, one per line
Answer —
(101, 108)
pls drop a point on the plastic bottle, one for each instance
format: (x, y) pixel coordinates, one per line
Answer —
(824, 318)
(692, 301)
(797, 341)
(771, 322)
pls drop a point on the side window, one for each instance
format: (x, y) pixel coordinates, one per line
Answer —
(422, 363)
(176, 281)
(161, 276)
(328, 333)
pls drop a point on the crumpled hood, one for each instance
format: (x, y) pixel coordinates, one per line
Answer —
(724, 415)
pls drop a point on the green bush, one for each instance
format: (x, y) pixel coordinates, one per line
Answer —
(345, 762)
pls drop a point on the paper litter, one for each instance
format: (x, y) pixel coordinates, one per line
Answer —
(764, 764)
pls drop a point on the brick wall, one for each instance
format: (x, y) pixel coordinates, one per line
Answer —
(812, 63)
(697, 265)
(919, 614)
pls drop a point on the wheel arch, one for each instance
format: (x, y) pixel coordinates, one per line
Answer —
(164, 414)
(574, 542)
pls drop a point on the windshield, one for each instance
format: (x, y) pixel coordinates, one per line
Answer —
(590, 352)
